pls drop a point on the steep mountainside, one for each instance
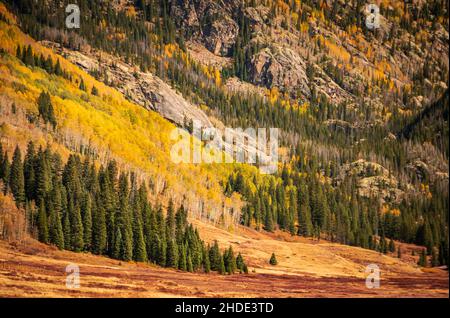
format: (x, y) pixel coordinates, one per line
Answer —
(362, 113)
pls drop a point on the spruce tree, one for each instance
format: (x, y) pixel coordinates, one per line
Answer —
(205, 258)
(29, 172)
(56, 233)
(230, 261)
(434, 258)
(172, 253)
(273, 260)
(190, 268)
(221, 268)
(423, 258)
(240, 263)
(139, 250)
(87, 222)
(17, 179)
(182, 264)
(45, 108)
(42, 224)
(76, 230)
(99, 235)
(117, 249)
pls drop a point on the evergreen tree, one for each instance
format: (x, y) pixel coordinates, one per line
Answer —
(87, 222)
(221, 267)
(172, 253)
(230, 261)
(423, 258)
(434, 258)
(273, 260)
(56, 234)
(190, 267)
(29, 172)
(76, 230)
(206, 261)
(99, 235)
(17, 179)
(182, 264)
(42, 224)
(45, 108)
(240, 263)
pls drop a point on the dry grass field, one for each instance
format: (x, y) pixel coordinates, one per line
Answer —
(306, 269)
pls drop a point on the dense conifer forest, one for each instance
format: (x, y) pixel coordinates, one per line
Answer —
(80, 208)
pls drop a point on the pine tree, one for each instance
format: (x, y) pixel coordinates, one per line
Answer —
(99, 235)
(28, 171)
(76, 230)
(190, 267)
(42, 224)
(56, 234)
(230, 261)
(117, 250)
(240, 263)
(205, 257)
(434, 258)
(87, 222)
(182, 264)
(45, 108)
(5, 171)
(423, 258)
(172, 254)
(221, 267)
(273, 260)
(17, 179)
(67, 231)
(82, 85)
(139, 250)
(215, 256)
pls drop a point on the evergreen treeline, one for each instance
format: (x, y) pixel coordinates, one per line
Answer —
(77, 207)
(302, 203)
(29, 58)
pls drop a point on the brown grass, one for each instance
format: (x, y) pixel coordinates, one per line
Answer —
(306, 269)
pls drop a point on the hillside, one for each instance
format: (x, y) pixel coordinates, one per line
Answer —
(89, 118)
(306, 269)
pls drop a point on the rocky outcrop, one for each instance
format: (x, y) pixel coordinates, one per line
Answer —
(280, 67)
(208, 22)
(373, 180)
(219, 36)
(144, 89)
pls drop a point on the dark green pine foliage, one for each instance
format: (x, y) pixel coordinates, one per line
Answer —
(45, 108)
(17, 179)
(240, 265)
(86, 215)
(82, 209)
(56, 234)
(273, 260)
(423, 258)
(29, 171)
(215, 257)
(42, 224)
(337, 222)
(182, 264)
(206, 261)
(229, 261)
(99, 235)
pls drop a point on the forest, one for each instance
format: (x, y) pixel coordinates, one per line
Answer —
(304, 198)
(80, 208)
